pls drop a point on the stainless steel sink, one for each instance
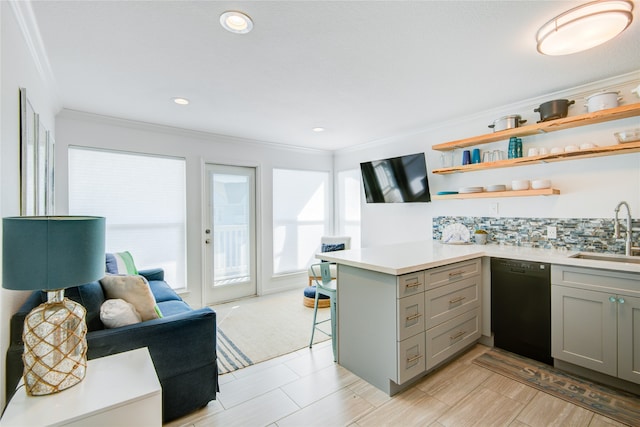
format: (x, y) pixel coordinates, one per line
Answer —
(607, 257)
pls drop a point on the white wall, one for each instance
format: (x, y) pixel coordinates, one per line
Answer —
(82, 129)
(589, 187)
(19, 67)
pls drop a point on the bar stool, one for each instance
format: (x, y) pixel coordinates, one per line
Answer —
(325, 286)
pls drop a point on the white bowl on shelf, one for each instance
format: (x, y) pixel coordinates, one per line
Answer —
(538, 184)
(571, 148)
(496, 187)
(520, 184)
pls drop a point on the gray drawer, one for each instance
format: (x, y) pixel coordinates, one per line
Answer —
(446, 274)
(596, 279)
(410, 316)
(446, 302)
(446, 339)
(411, 358)
(410, 284)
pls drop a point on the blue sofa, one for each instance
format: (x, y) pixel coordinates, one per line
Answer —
(182, 343)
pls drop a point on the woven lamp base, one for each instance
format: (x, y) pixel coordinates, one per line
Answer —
(55, 346)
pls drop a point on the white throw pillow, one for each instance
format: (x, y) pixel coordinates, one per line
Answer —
(134, 290)
(117, 312)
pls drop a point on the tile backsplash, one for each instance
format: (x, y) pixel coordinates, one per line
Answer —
(575, 234)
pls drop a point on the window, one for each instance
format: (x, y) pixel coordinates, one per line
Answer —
(348, 212)
(301, 216)
(143, 200)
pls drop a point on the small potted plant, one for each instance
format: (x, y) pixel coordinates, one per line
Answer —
(480, 236)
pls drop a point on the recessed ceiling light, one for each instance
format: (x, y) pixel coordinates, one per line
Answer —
(236, 22)
(180, 101)
(318, 129)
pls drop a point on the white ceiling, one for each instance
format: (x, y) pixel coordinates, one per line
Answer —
(364, 70)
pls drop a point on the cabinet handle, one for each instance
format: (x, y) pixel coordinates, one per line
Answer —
(458, 335)
(414, 358)
(456, 273)
(414, 316)
(621, 300)
(412, 285)
(612, 299)
(455, 300)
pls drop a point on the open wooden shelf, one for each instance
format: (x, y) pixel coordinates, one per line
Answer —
(610, 150)
(489, 194)
(621, 112)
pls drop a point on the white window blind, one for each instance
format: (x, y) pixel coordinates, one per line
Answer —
(348, 211)
(143, 200)
(301, 214)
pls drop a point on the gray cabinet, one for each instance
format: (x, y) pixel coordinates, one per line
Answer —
(452, 306)
(595, 320)
(393, 329)
(629, 338)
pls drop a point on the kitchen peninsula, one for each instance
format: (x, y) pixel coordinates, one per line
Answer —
(407, 308)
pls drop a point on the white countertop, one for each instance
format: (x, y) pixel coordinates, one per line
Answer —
(409, 257)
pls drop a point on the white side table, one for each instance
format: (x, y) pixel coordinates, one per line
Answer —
(118, 390)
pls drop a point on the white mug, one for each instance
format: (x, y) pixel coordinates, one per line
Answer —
(532, 152)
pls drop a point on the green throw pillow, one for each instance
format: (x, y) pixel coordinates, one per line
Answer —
(120, 263)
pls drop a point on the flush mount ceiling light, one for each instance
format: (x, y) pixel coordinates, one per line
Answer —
(180, 101)
(318, 129)
(584, 27)
(236, 22)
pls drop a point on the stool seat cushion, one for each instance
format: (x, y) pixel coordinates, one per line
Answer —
(310, 292)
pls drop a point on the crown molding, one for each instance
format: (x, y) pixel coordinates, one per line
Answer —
(28, 25)
(172, 130)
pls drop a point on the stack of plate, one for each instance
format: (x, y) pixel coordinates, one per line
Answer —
(497, 187)
(465, 190)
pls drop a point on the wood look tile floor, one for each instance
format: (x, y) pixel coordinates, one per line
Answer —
(307, 388)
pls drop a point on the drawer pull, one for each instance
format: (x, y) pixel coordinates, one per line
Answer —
(412, 285)
(414, 358)
(456, 273)
(455, 300)
(414, 316)
(458, 335)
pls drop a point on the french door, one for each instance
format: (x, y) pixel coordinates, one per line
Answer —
(230, 236)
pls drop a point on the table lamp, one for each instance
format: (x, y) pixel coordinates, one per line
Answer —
(52, 253)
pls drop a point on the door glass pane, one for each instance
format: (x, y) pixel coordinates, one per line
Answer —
(231, 228)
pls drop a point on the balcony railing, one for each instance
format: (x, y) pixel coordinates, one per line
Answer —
(231, 254)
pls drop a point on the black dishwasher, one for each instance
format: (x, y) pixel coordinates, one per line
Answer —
(521, 307)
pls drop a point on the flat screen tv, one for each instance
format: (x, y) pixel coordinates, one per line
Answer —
(396, 180)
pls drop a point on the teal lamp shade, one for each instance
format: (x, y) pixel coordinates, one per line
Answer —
(52, 252)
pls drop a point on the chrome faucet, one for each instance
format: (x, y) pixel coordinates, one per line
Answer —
(628, 227)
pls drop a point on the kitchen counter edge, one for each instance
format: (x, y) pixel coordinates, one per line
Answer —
(404, 258)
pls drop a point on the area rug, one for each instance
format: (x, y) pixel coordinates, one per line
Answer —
(617, 405)
(260, 328)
